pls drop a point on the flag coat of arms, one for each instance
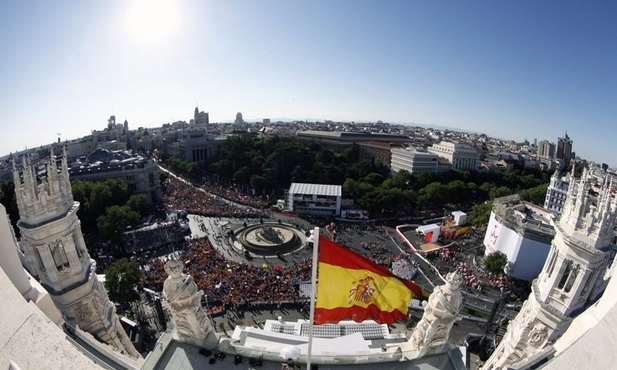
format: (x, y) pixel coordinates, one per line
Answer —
(353, 287)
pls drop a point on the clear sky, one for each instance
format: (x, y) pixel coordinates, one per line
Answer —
(511, 69)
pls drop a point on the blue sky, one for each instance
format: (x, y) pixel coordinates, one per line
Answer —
(511, 69)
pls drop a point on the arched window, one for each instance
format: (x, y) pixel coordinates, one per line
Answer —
(59, 255)
(572, 278)
(76, 243)
(551, 264)
(566, 274)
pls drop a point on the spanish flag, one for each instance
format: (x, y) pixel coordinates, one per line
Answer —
(352, 287)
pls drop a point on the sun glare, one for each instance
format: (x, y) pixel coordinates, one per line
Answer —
(152, 22)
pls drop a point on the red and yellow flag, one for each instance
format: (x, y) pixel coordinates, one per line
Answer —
(352, 287)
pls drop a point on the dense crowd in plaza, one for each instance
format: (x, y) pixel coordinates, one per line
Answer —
(229, 282)
(152, 236)
(182, 196)
(473, 278)
(235, 194)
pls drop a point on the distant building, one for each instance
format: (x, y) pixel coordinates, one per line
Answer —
(315, 199)
(413, 160)
(239, 119)
(523, 232)
(201, 119)
(339, 141)
(461, 156)
(191, 142)
(556, 193)
(114, 131)
(140, 174)
(377, 150)
(546, 149)
(564, 151)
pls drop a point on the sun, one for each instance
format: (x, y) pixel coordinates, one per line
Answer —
(152, 22)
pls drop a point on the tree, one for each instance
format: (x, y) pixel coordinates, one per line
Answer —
(495, 262)
(115, 220)
(501, 191)
(123, 281)
(535, 195)
(139, 204)
(481, 213)
(119, 190)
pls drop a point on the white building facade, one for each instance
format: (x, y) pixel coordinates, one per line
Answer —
(556, 193)
(522, 232)
(413, 160)
(462, 156)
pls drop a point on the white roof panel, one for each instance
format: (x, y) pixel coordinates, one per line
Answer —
(318, 189)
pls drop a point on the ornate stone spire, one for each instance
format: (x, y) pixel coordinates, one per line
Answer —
(570, 281)
(585, 220)
(42, 199)
(55, 252)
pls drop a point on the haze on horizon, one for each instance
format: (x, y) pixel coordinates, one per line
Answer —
(513, 70)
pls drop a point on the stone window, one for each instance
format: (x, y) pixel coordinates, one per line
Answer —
(566, 274)
(59, 255)
(572, 278)
(551, 265)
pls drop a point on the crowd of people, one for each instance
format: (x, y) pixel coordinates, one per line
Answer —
(235, 194)
(404, 266)
(152, 236)
(180, 195)
(228, 282)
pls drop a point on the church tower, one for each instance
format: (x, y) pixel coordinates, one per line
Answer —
(56, 254)
(571, 278)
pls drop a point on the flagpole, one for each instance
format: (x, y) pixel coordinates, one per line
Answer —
(313, 296)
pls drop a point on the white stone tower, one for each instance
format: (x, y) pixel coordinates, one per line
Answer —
(571, 278)
(55, 253)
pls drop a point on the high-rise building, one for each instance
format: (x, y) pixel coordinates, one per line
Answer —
(564, 150)
(201, 119)
(239, 120)
(546, 149)
(56, 254)
(570, 281)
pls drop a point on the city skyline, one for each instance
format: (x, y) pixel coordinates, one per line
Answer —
(510, 70)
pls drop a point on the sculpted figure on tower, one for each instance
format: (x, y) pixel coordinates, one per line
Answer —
(184, 301)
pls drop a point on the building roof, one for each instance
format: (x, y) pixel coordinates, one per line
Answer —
(347, 135)
(345, 353)
(317, 189)
(29, 340)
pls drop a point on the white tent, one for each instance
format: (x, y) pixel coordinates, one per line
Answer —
(432, 228)
(460, 218)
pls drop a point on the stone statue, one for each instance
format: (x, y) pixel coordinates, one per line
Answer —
(440, 313)
(184, 301)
